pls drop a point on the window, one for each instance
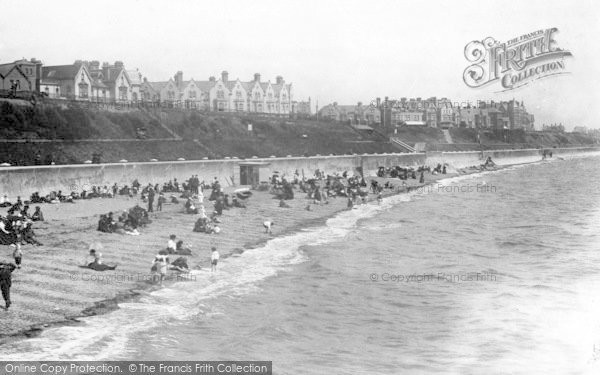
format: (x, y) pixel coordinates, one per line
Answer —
(238, 94)
(220, 94)
(193, 94)
(257, 95)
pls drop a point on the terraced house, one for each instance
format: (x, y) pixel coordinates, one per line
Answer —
(222, 95)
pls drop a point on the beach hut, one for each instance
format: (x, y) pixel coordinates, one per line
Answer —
(250, 172)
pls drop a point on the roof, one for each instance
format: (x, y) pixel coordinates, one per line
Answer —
(158, 86)
(346, 108)
(205, 85)
(60, 72)
(264, 85)
(415, 123)
(5, 69)
(113, 74)
(248, 86)
(134, 77)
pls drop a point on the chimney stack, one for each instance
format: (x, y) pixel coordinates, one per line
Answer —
(279, 80)
(119, 64)
(178, 78)
(105, 71)
(211, 79)
(224, 76)
(256, 77)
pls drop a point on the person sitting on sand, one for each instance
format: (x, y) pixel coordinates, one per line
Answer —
(181, 250)
(268, 225)
(4, 201)
(27, 233)
(237, 203)
(95, 262)
(200, 225)
(190, 208)
(37, 215)
(180, 264)
(171, 245)
(282, 204)
(214, 217)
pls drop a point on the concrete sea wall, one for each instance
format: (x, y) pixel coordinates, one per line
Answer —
(22, 181)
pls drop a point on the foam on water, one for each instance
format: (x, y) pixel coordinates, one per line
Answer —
(108, 336)
(105, 336)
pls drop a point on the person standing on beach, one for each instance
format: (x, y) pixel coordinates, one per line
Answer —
(161, 264)
(17, 253)
(6, 270)
(214, 259)
(267, 225)
(422, 178)
(150, 199)
(160, 201)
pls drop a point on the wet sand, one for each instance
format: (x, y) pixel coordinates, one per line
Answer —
(51, 288)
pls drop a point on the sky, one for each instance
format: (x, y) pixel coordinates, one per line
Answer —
(343, 51)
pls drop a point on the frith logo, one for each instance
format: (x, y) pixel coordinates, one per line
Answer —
(515, 63)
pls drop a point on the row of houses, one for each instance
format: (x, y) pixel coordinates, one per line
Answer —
(432, 112)
(223, 94)
(113, 83)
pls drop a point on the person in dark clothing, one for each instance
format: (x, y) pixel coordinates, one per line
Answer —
(150, 199)
(37, 215)
(6, 270)
(422, 178)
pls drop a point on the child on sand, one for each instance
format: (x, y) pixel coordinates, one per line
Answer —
(214, 259)
(17, 253)
(161, 264)
(267, 225)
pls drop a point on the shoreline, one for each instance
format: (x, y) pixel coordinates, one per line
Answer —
(132, 292)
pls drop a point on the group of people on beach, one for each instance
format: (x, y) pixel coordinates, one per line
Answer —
(15, 229)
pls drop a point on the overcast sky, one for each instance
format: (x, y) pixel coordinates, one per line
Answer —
(345, 51)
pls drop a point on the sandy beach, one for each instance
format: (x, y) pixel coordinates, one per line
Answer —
(51, 288)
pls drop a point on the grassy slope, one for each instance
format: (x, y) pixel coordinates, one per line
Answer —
(218, 135)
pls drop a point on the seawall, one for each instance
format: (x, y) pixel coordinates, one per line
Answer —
(22, 181)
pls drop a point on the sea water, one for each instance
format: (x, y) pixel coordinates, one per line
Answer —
(494, 273)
